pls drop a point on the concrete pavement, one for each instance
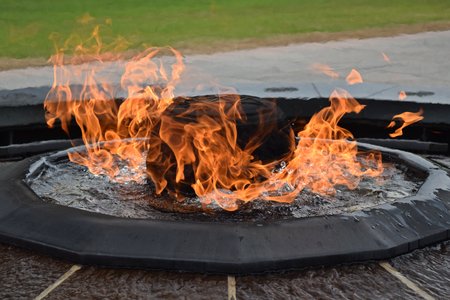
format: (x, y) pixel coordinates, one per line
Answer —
(418, 64)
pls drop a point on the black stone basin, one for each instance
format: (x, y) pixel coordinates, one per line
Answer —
(85, 237)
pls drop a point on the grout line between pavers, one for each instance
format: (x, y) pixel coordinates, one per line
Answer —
(394, 272)
(60, 280)
(231, 288)
(316, 89)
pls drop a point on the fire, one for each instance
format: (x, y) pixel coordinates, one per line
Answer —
(385, 57)
(197, 147)
(325, 69)
(354, 77)
(407, 118)
(402, 95)
(326, 153)
(103, 122)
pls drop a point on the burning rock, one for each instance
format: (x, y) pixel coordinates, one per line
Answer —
(226, 136)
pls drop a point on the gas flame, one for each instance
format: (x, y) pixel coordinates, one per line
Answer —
(103, 122)
(225, 172)
(385, 57)
(326, 153)
(325, 69)
(402, 95)
(354, 77)
(406, 118)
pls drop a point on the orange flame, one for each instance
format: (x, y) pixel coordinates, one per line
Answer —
(385, 57)
(326, 155)
(102, 121)
(325, 69)
(354, 77)
(402, 95)
(407, 118)
(119, 134)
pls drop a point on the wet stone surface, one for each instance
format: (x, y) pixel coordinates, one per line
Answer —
(95, 283)
(429, 268)
(440, 160)
(366, 281)
(25, 274)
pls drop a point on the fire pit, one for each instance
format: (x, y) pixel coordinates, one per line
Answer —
(255, 240)
(56, 180)
(220, 183)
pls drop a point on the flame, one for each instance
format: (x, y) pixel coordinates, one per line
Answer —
(225, 173)
(326, 156)
(145, 126)
(325, 69)
(407, 118)
(354, 77)
(385, 57)
(103, 123)
(402, 95)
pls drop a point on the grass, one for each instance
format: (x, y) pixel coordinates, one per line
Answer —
(25, 25)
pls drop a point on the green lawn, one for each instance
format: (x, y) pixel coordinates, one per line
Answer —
(25, 25)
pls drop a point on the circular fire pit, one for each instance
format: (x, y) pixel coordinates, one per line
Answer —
(212, 245)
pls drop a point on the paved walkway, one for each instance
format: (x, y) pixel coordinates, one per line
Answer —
(418, 62)
(414, 59)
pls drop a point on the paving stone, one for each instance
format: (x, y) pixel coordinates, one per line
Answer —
(97, 283)
(415, 60)
(429, 268)
(363, 281)
(358, 91)
(418, 93)
(441, 160)
(25, 274)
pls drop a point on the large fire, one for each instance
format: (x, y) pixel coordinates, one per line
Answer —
(206, 148)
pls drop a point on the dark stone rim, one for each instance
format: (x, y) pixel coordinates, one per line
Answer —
(89, 238)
